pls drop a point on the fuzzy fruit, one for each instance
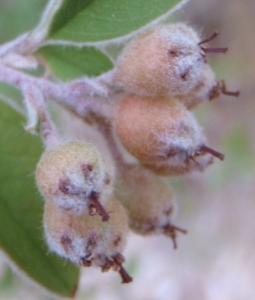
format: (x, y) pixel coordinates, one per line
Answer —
(74, 177)
(149, 202)
(161, 132)
(86, 241)
(170, 60)
(166, 60)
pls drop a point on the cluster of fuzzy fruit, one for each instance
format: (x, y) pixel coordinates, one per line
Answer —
(163, 74)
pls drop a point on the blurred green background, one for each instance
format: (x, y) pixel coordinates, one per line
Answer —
(216, 259)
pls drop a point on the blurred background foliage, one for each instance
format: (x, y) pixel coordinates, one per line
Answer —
(18, 17)
(216, 259)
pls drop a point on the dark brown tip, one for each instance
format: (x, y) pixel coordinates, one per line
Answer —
(212, 152)
(98, 206)
(119, 259)
(213, 36)
(170, 230)
(126, 278)
(224, 90)
(214, 50)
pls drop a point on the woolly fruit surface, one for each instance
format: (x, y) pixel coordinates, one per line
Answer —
(158, 130)
(69, 173)
(78, 237)
(149, 201)
(164, 61)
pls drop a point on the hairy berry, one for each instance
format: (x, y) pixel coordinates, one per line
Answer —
(170, 60)
(149, 202)
(74, 177)
(162, 134)
(87, 241)
(166, 60)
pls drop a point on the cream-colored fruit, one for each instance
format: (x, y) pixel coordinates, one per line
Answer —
(167, 60)
(149, 201)
(158, 131)
(73, 176)
(86, 240)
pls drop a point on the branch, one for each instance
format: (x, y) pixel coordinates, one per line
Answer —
(13, 45)
(71, 94)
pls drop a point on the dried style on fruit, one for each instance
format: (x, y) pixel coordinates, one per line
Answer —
(163, 61)
(162, 134)
(169, 60)
(149, 202)
(87, 241)
(73, 176)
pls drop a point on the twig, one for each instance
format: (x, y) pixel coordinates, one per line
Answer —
(72, 94)
(36, 106)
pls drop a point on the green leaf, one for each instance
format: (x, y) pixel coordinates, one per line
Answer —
(10, 92)
(70, 62)
(68, 11)
(98, 20)
(21, 210)
(17, 17)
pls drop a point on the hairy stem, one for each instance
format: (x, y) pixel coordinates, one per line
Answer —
(36, 107)
(72, 94)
